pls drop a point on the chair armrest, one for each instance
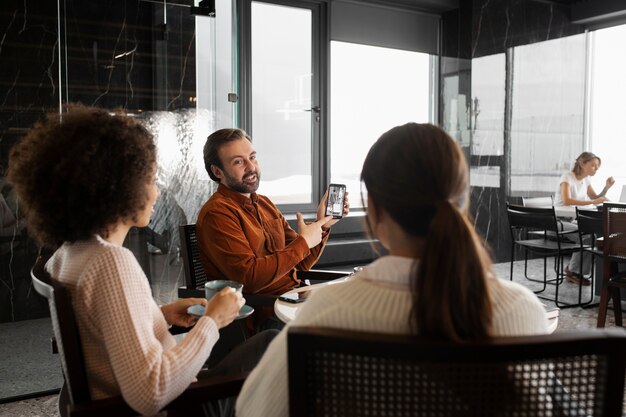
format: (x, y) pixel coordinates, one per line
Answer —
(210, 389)
(106, 407)
(260, 300)
(198, 392)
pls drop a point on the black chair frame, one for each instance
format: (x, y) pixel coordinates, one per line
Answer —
(524, 219)
(590, 224)
(543, 202)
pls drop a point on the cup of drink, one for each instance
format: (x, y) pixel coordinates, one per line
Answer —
(213, 287)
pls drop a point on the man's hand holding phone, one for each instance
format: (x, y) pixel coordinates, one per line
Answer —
(334, 203)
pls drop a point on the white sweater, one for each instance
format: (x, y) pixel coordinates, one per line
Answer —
(127, 346)
(377, 299)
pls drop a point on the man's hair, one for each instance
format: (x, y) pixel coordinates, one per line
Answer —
(214, 143)
(79, 172)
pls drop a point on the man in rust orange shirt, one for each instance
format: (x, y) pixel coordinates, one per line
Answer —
(243, 236)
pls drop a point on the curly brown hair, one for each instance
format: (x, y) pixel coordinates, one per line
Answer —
(79, 172)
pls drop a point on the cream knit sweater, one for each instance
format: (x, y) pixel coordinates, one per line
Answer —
(127, 346)
(377, 299)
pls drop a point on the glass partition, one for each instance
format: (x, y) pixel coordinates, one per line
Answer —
(146, 58)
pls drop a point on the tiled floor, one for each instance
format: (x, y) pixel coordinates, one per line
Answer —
(570, 319)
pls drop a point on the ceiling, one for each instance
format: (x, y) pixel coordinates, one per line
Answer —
(440, 6)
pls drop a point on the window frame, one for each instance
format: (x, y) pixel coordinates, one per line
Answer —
(320, 45)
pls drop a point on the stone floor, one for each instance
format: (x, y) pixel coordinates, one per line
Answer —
(44, 369)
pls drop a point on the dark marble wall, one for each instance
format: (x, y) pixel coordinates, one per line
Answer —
(29, 86)
(487, 97)
(117, 54)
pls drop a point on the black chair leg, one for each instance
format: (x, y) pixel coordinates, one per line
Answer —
(617, 306)
(592, 278)
(545, 278)
(512, 260)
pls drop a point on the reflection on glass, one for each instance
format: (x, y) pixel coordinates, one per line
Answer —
(485, 111)
(547, 112)
(456, 78)
(487, 104)
(281, 100)
(608, 90)
(372, 90)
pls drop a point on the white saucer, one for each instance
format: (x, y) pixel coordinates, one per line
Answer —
(197, 310)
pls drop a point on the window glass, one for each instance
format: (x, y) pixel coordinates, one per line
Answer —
(486, 113)
(547, 125)
(607, 128)
(372, 90)
(281, 100)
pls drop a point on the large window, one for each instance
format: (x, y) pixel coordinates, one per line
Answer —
(372, 90)
(282, 100)
(548, 104)
(608, 90)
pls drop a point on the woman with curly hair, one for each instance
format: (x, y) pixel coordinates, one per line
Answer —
(84, 179)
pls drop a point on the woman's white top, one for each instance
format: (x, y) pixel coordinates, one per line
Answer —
(577, 188)
(377, 299)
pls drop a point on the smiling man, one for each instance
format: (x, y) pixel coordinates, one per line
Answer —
(243, 236)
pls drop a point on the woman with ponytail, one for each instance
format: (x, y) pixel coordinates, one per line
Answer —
(436, 280)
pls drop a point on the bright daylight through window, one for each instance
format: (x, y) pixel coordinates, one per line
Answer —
(608, 89)
(372, 90)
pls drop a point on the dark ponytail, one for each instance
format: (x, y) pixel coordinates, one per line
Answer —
(418, 175)
(451, 297)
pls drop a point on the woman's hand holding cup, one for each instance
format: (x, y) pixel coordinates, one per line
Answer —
(223, 307)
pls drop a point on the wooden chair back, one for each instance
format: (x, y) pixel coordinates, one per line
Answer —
(348, 373)
(614, 241)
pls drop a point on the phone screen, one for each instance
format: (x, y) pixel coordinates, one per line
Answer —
(334, 204)
(295, 297)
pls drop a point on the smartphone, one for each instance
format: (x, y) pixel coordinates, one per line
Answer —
(336, 197)
(295, 297)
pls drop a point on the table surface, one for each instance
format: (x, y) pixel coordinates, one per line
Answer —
(287, 311)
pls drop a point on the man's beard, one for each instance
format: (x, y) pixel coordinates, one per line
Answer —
(242, 186)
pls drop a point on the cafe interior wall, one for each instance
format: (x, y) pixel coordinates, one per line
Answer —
(488, 109)
(137, 56)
